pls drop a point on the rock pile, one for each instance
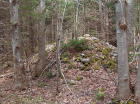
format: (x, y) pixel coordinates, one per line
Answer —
(99, 55)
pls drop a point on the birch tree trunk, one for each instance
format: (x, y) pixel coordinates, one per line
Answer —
(121, 31)
(20, 78)
(41, 38)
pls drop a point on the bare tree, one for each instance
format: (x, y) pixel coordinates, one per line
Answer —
(121, 31)
(106, 24)
(41, 37)
(32, 35)
(58, 44)
(130, 18)
(60, 20)
(76, 20)
(137, 91)
(102, 35)
(20, 79)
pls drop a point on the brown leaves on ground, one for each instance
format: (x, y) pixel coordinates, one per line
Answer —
(79, 87)
(82, 92)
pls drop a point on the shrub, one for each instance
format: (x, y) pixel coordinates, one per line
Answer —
(76, 44)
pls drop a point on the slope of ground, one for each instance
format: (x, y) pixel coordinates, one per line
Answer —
(89, 78)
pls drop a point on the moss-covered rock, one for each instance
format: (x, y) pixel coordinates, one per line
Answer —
(65, 60)
(109, 63)
(94, 59)
(50, 75)
(96, 67)
(77, 58)
(65, 57)
(72, 65)
(79, 78)
(106, 51)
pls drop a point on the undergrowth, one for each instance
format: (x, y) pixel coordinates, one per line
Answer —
(76, 45)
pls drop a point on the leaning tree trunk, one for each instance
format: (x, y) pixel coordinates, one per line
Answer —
(41, 38)
(121, 31)
(20, 79)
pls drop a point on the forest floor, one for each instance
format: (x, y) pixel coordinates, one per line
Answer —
(89, 78)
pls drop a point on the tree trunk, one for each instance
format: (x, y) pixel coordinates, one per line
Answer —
(41, 39)
(137, 91)
(130, 18)
(107, 24)
(76, 20)
(102, 35)
(20, 79)
(58, 40)
(31, 35)
(84, 18)
(52, 30)
(123, 68)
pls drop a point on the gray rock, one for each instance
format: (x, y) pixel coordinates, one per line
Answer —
(80, 65)
(85, 60)
(114, 54)
(82, 54)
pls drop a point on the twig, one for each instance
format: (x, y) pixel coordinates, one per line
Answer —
(48, 66)
(7, 75)
(68, 85)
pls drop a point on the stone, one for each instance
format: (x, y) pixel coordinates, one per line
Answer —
(83, 55)
(85, 60)
(86, 35)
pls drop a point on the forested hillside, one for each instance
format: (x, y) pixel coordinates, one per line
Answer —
(69, 52)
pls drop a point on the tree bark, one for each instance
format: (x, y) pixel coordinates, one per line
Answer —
(58, 40)
(123, 68)
(76, 20)
(102, 35)
(107, 24)
(130, 18)
(31, 35)
(41, 39)
(84, 18)
(20, 78)
(137, 90)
